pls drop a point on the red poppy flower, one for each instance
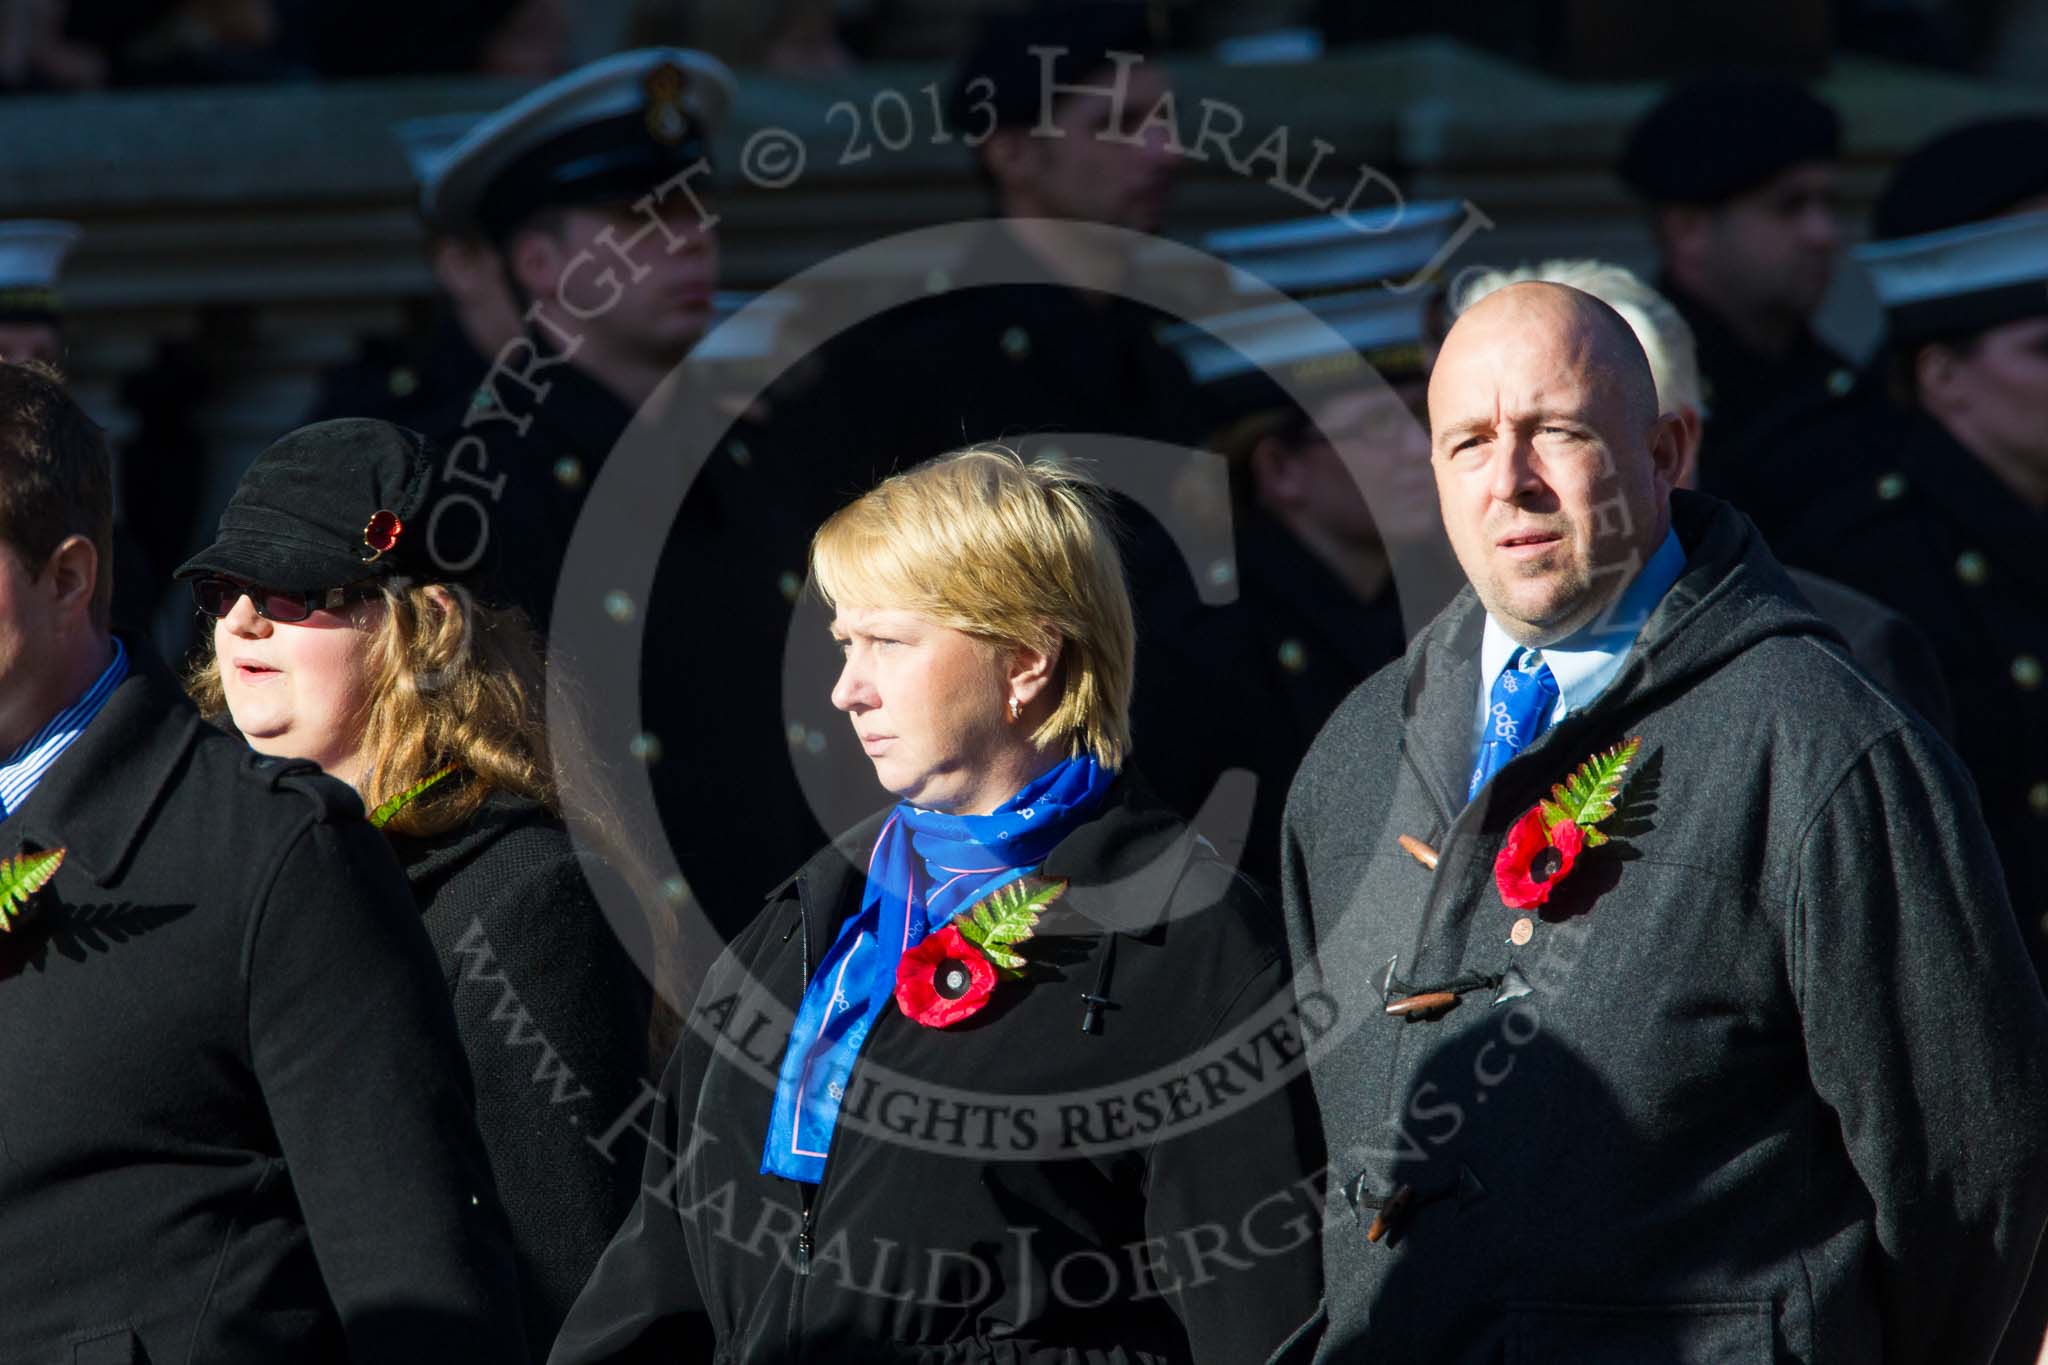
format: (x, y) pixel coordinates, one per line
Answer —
(1535, 859)
(943, 980)
(383, 531)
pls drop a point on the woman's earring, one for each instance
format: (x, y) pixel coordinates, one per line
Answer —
(1016, 710)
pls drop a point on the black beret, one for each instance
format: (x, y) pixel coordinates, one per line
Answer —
(1002, 57)
(330, 504)
(1709, 141)
(1966, 175)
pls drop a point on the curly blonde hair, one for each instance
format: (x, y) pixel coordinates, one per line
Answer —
(452, 681)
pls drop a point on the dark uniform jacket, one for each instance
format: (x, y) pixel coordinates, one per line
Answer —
(1266, 672)
(996, 363)
(236, 1126)
(1769, 1079)
(711, 633)
(553, 1018)
(1925, 528)
(426, 385)
(1010, 1189)
(548, 451)
(1742, 387)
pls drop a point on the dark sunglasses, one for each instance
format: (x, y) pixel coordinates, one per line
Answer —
(217, 596)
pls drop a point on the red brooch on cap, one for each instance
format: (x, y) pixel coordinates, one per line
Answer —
(667, 121)
(381, 534)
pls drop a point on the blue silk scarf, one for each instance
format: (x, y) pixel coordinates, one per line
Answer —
(926, 868)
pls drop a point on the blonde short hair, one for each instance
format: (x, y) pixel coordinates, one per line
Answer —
(1012, 553)
(1665, 335)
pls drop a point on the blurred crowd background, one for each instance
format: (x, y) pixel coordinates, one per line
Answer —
(248, 214)
(72, 45)
(249, 221)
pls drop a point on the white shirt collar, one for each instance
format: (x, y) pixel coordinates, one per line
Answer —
(1586, 662)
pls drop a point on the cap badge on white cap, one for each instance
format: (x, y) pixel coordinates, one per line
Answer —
(668, 122)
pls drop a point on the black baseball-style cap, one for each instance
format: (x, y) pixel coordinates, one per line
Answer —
(328, 505)
(1713, 139)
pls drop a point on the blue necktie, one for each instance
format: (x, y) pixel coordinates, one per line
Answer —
(1516, 712)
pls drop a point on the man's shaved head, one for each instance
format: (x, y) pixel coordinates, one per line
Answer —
(1596, 335)
(1554, 468)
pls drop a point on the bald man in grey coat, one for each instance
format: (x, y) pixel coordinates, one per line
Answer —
(1726, 1051)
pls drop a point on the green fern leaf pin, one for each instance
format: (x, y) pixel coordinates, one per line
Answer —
(998, 922)
(21, 877)
(1589, 795)
(388, 811)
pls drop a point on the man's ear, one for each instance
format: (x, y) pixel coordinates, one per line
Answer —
(1671, 452)
(461, 265)
(536, 258)
(1691, 428)
(1934, 379)
(1276, 474)
(72, 573)
(1680, 230)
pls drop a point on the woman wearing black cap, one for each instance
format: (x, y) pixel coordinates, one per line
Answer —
(336, 638)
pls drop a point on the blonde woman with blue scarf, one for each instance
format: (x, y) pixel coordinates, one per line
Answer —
(964, 1091)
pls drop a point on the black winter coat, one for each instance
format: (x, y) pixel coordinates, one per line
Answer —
(1769, 1081)
(553, 1018)
(235, 1128)
(1010, 1189)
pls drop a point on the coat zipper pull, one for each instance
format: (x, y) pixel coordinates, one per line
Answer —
(803, 1243)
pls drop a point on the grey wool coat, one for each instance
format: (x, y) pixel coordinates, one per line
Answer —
(1769, 1079)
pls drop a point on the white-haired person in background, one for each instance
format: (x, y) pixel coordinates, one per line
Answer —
(1890, 647)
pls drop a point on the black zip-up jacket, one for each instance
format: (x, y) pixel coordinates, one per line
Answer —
(1009, 1189)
